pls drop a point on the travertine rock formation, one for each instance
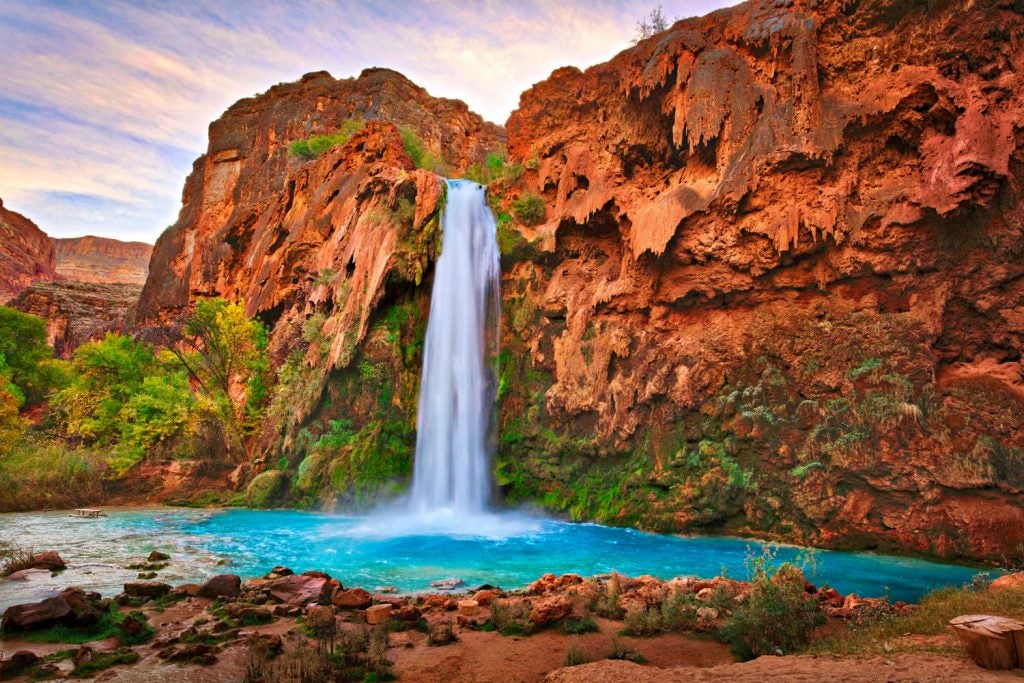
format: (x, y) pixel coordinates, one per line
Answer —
(76, 312)
(777, 289)
(779, 285)
(26, 254)
(99, 259)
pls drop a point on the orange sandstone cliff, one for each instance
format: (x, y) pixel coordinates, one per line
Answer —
(100, 259)
(26, 254)
(776, 290)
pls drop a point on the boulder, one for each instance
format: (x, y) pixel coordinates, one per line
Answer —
(133, 625)
(550, 583)
(221, 586)
(993, 642)
(28, 574)
(189, 589)
(72, 606)
(485, 597)
(407, 613)
(378, 614)
(296, 589)
(49, 560)
(551, 610)
(447, 584)
(438, 601)
(278, 572)
(353, 598)
(17, 664)
(1009, 581)
(146, 589)
(157, 556)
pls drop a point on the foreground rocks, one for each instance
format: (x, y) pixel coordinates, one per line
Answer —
(71, 607)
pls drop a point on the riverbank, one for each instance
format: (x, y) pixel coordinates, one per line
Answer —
(560, 629)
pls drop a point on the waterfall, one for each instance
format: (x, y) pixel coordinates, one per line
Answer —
(457, 387)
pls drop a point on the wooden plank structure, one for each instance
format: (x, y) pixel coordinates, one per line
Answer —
(90, 513)
(992, 642)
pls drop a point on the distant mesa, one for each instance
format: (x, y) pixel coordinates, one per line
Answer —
(100, 259)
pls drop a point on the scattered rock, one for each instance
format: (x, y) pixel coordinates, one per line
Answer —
(157, 556)
(189, 589)
(248, 614)
(438, 601)
(468, 608)
(551, 610)
(278, 572)
(407, 613)
(353, 598)
(297, 589)
(146, 589)
(485, 596)
(18, 663)
(378, 614)
(707, 613)
(705, 594)
(48, 560)
(195, 653)
(549, 583)
(29, 574)
(221, 586)
(72, 606)
(447, 584)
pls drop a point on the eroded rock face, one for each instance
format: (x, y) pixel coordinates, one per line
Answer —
(99, 259)
(778, 284)
(76, 312)
(313, 247)
(26, 254)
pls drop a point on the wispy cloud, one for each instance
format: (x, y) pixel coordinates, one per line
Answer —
(103, 105)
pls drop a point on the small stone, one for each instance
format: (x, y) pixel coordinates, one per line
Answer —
(705, 594)
(146, 589)
(157, 556)
(447, 584)
(707, 613)
(378, 614)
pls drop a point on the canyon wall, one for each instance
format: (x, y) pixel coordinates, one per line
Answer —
(779, 283)
(99, 259)
(76, 312)
(777, 290)
(26, 254)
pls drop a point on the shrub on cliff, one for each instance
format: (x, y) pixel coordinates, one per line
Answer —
(314, 146)
(421, 155)
(528, 209)
(778, 615)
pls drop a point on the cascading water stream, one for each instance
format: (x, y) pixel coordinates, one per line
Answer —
(457, 386)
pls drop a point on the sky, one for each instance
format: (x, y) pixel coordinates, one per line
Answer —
(104, 105)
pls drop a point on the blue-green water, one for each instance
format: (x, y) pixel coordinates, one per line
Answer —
(509, 551)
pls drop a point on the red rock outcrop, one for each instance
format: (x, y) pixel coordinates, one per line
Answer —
(314, 247)
(76, 312)
(99, 259)
(778, 288)
(26, 254)
(776, 292)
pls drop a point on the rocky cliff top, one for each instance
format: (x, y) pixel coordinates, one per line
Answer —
(100, 259)
(26, 254)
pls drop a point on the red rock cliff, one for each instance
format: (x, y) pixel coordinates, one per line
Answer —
(779, 284)
(26, 254)
(99, 259)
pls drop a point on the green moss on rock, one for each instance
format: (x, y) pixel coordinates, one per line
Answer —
(265, 489)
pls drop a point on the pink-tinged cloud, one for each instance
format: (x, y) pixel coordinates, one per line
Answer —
(103, 105)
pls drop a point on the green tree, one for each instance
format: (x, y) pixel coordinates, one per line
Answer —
(25, 357)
